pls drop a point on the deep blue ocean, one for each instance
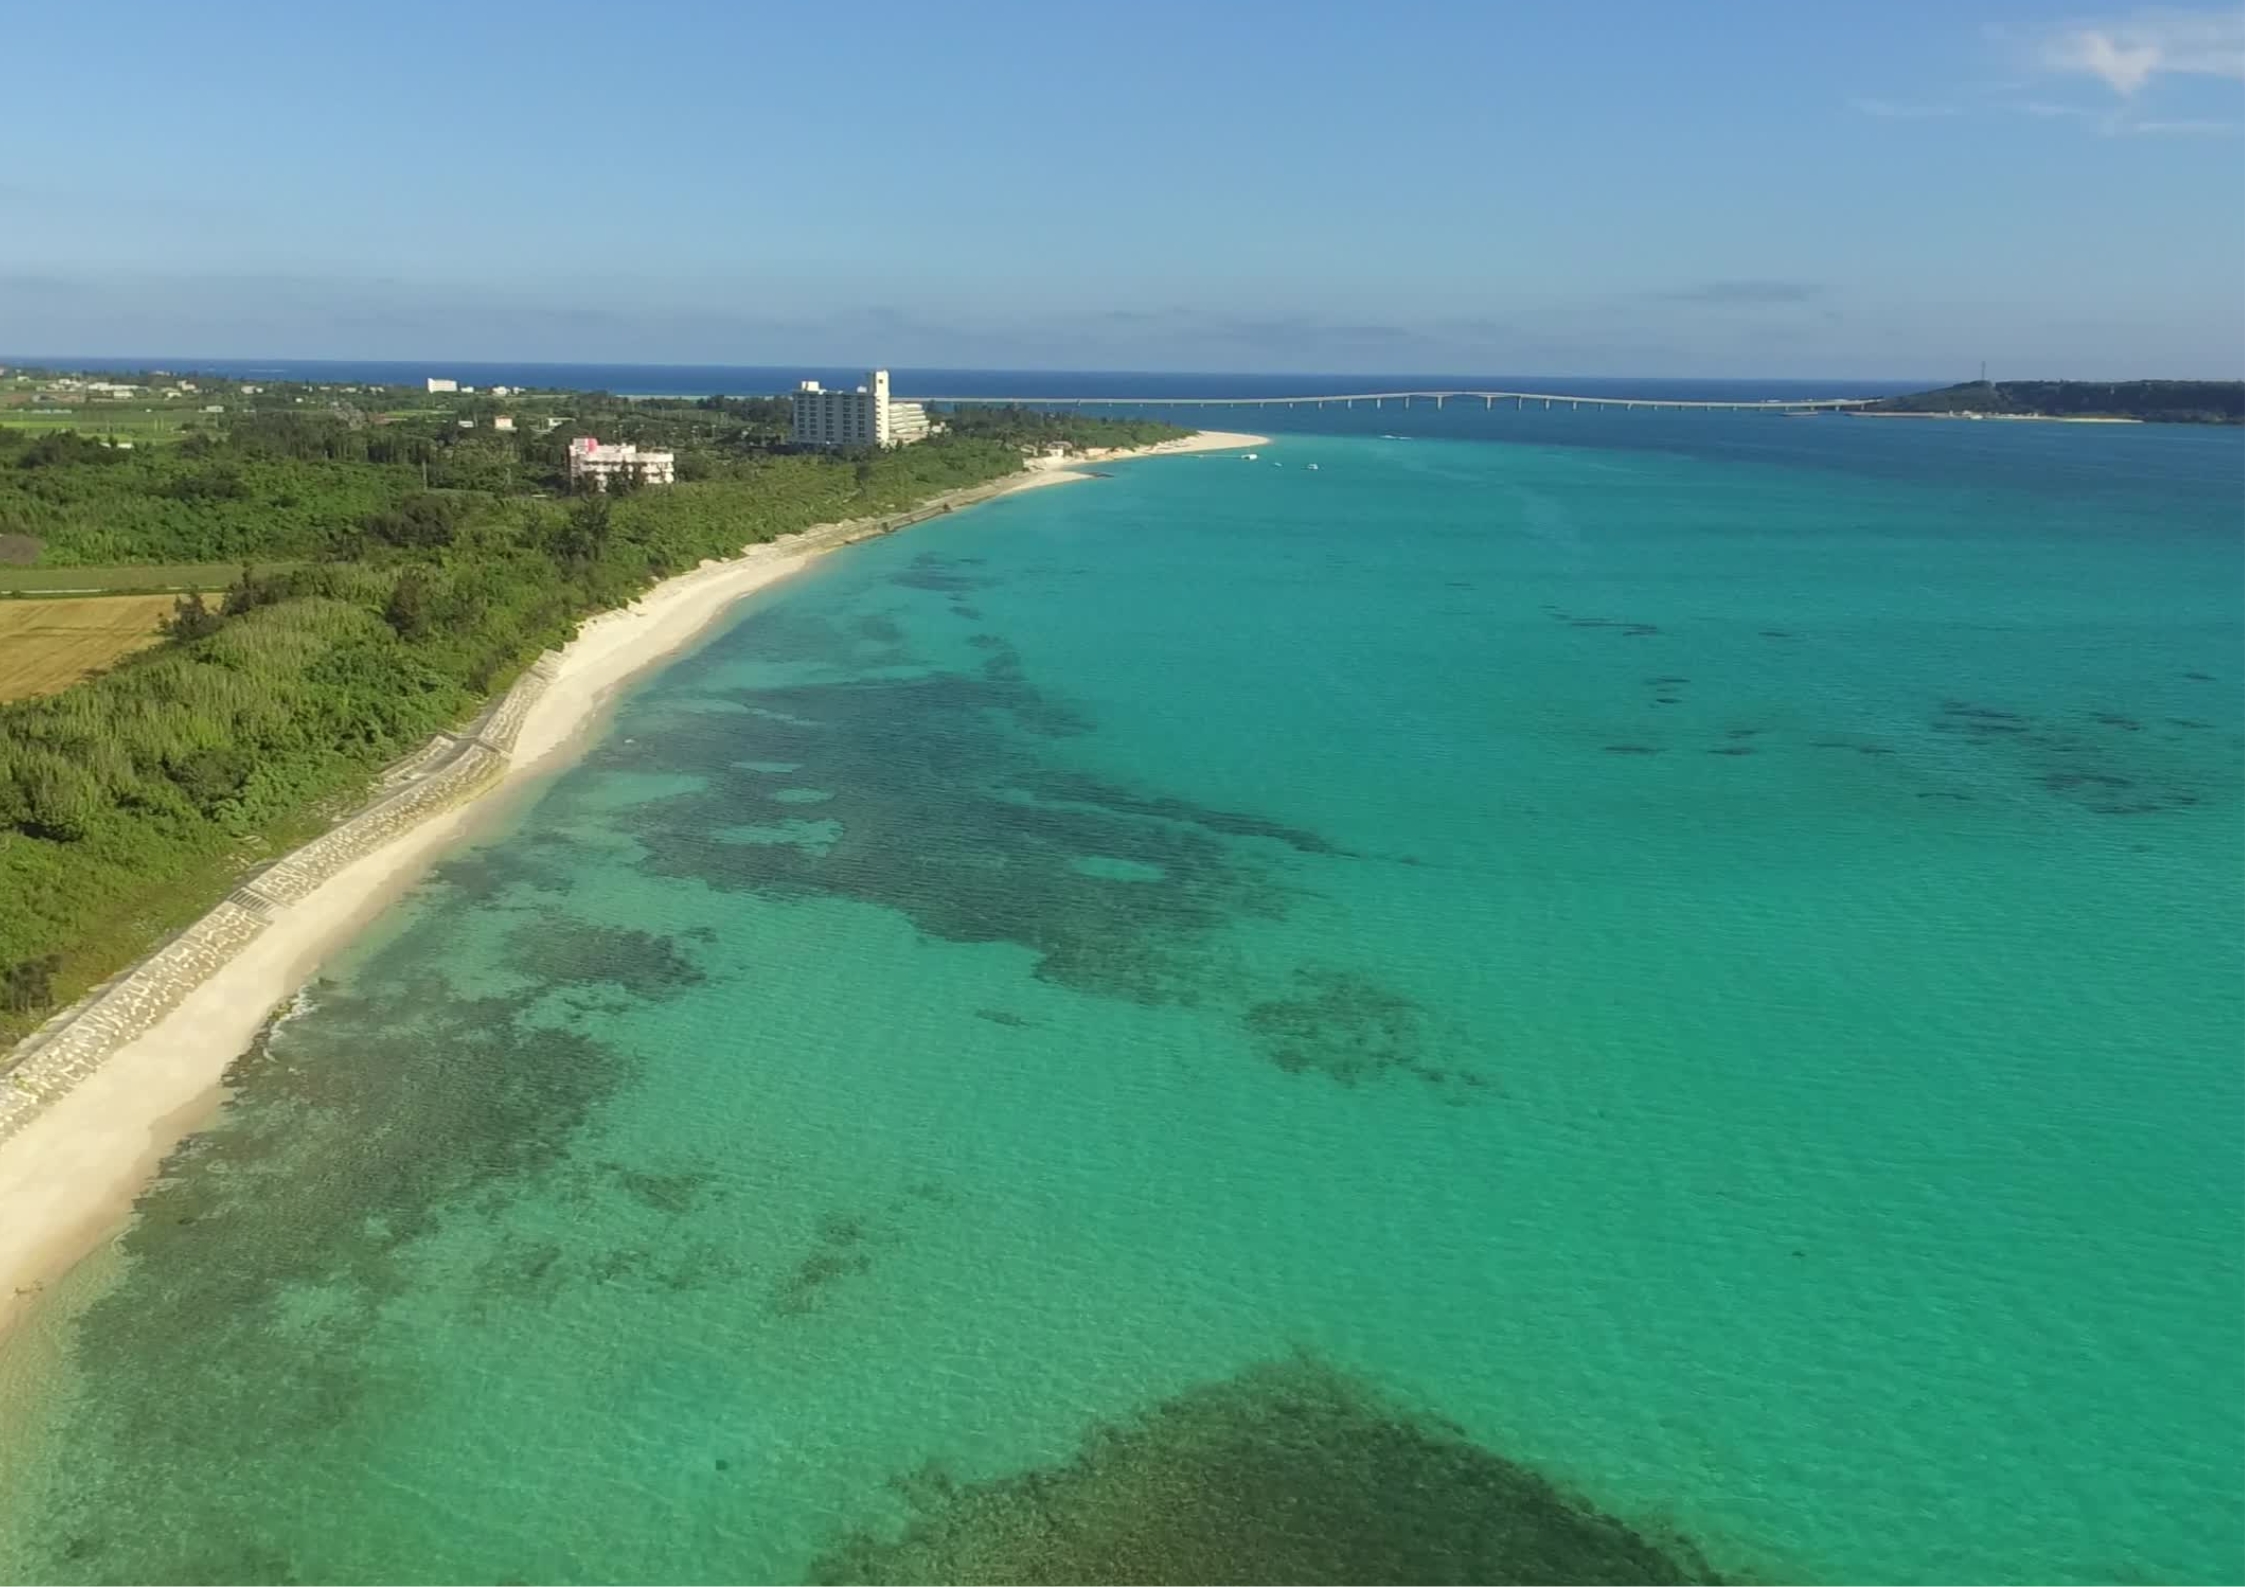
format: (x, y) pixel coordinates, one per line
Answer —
(1486, 996)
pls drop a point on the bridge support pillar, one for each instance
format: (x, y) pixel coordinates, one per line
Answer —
(1438, 405)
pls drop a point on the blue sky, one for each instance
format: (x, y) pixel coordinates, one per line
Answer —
(1731, 188)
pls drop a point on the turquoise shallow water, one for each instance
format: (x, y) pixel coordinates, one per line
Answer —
(1703, 968)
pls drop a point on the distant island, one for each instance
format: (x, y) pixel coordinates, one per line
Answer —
(2148, 401)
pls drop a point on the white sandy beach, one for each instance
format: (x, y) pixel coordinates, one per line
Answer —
(68, 1178)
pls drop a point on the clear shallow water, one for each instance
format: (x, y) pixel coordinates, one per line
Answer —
(1702, 967)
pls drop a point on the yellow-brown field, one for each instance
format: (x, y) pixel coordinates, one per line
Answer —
(49, 645)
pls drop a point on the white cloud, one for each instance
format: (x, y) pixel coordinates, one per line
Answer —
(1898, 110)
(2199, 128)
(2128, 53)
(2116, 123)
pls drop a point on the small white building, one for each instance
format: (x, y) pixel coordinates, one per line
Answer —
(436, 385)
(864, 417)
(502, 421)
(587, 457)
(502, 391)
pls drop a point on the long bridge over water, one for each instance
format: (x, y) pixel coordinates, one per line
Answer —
(1380, 399)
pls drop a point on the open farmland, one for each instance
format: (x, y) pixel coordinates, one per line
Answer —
(49, 645)
(140, 424)
(210, 577)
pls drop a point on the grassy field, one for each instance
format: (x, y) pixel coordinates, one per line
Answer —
(49, 645)
(208, 576)
(125, 421)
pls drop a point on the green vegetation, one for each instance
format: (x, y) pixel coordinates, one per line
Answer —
(1063, 427)
(386, 573)
(2156, 401)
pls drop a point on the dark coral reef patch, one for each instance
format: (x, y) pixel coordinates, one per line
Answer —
(948, 809)
(1350, 1029)
(1289, 1472)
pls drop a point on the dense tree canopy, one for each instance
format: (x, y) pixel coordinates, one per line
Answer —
(1056, 427)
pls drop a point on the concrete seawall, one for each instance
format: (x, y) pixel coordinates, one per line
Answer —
(451, 769)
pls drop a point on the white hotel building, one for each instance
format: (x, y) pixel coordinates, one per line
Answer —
(864, 417)
(588, 457)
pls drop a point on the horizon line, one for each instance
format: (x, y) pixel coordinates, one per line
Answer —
(151, 361)
(433, 364)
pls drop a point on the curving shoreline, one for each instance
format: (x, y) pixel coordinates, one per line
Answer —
(92, 1101)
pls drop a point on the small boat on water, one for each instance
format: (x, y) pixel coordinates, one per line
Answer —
(1251, 457)
(1312, 467)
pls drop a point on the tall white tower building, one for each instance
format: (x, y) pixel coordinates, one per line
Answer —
(864, 417)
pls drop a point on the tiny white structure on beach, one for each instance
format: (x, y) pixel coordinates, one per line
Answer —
(588, 459)
(867, 416)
